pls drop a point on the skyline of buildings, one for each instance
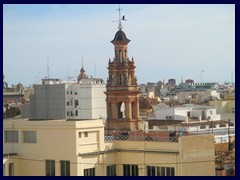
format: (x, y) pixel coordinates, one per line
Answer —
(86, 127)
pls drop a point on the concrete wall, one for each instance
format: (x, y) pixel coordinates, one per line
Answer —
(197, 155)
(48, 102)
(162, 113)
(25, 111)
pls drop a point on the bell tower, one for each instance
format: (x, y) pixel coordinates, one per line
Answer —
(122, 88)
(82, 74)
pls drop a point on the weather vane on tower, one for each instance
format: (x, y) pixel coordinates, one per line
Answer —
(121, 18)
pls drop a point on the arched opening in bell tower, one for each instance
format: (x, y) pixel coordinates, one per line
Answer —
(121, 110)
(120, 56)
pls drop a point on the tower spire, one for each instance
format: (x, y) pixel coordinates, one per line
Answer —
(120, 25)
(120, 19)
(82, 63)
(82, 74)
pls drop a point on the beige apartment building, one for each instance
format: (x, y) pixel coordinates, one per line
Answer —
(79, 148)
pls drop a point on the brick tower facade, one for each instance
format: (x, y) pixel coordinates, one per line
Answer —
(122, 88)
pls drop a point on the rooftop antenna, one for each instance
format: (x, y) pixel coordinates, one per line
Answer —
(48, 68)
(202, 74)
(95, 67)
(82, 62)
(121, 18)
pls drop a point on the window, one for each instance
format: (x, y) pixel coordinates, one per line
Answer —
(68, 113)
(71, 113)
(85, 134)
(79, 134)
(67, 92)
(76, 113)
(68, 103)
(76, 103)
(172, 171)
(89, 172)
(65, 168)
(130, 170)
(11, 136)
(111, 170)
(160, 171)
(75, 93)
(11, 169)
(29, 136)
(150, 170)
(70, 92)
(50, 167)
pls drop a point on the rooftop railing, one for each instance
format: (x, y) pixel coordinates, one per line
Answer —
(139, 136)
(159, 136)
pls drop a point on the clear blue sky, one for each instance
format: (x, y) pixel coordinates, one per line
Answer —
(167, 41)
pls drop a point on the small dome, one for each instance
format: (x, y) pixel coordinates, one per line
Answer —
(120, 37)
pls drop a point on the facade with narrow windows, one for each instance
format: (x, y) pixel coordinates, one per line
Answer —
(122, 87)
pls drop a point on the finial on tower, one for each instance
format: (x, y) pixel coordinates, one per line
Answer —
(121, 18)
(82, 74)
(82, 69)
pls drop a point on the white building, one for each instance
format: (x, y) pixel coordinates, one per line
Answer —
(185, 112)
(54, 99)
(222, 133)
(198, 96)
(86, 99)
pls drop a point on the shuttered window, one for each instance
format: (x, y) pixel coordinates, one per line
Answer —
(89, 172)
(160, 171)
(11, 136)
(65, 168)
(50, 167)
(29, 136)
